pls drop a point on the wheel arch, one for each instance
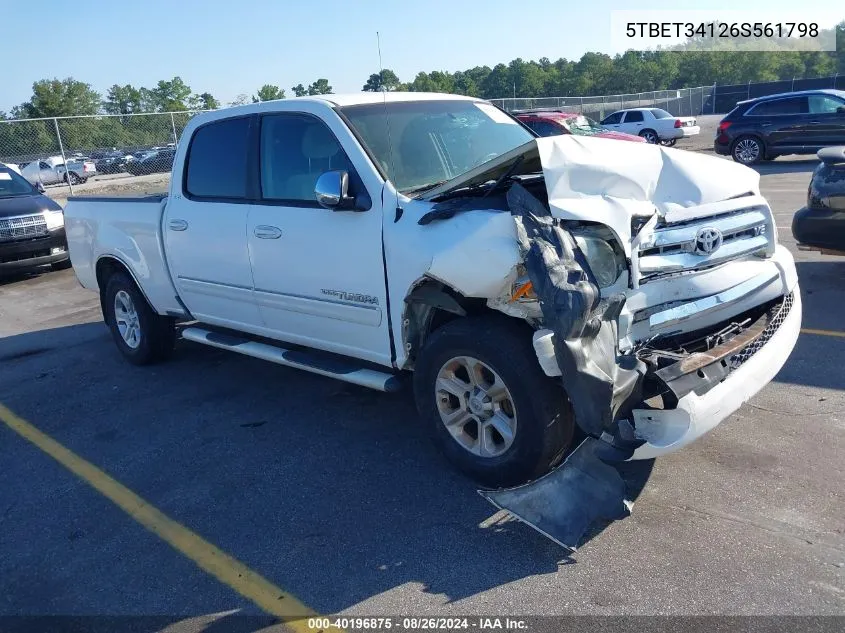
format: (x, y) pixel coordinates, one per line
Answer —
(106, 267)
(429, 305)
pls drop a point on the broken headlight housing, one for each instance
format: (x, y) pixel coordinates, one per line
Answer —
(606, 262)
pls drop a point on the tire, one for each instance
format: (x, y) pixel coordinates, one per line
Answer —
(155, 335)
(74, 179)
(669, 142)
(748, 150)
(543, 424)
(650, 136)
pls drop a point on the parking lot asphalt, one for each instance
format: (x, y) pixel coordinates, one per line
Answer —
(334, 494)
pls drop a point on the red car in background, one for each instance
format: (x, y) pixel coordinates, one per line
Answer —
(554, 122)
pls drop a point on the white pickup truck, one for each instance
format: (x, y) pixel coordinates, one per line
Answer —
(530, 284)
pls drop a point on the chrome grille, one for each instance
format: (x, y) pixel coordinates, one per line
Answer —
(26, 226)
(774, 325)
(672, 247)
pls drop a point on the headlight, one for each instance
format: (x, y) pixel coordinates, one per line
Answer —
(54, 219)
(605, 263)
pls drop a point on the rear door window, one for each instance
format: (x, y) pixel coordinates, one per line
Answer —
(634, 116)
(778, 107)
(217, 160)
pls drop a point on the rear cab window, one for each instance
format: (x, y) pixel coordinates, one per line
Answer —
(216, 164)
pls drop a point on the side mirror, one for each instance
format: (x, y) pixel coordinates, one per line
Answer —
(841, 109)
(331, 190)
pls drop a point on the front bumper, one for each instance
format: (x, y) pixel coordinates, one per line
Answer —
(666, 431)
(21, 254)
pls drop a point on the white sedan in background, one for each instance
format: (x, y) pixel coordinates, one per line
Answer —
(653, 124)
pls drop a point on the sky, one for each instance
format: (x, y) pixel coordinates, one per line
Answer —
(228, 48)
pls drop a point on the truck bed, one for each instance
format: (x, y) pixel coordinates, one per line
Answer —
(126, 229)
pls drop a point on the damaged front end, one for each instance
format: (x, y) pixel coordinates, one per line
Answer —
(603, 385)
(653, 280)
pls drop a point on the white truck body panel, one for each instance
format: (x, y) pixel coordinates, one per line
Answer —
(224, 263)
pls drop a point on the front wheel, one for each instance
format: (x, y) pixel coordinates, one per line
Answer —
(141, 335)
(487, 403)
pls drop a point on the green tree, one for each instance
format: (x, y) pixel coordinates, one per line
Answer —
(123, 100)
(204, 101)
(170, 96)
(320, 87)
(384, 80)
(299, 90)
(54, 97)
(268, 92)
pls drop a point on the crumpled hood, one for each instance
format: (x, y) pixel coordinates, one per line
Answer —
(601, 180)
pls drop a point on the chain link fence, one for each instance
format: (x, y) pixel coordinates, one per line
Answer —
(683, 102)
(99, 154)
(698, 101)
(64, 153)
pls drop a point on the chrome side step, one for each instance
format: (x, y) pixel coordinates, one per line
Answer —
(325, 365)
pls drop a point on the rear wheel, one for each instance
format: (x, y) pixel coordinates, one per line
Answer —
(748, 150)
(73, 178)
(141, 335)
(489, 407)
(669, 142)
(650, 136)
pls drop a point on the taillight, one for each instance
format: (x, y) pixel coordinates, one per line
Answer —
(724, 125)
(678, 123)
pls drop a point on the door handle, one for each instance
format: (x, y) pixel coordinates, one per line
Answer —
(178, 225)
(267, 232)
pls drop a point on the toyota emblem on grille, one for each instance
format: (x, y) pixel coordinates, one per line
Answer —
(707, 241)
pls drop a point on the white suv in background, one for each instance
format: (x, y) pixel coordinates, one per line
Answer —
(653, 124)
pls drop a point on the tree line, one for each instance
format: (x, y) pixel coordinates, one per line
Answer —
(592, 74)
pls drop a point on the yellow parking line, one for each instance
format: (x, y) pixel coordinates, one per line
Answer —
(823, 332)
(211, 559)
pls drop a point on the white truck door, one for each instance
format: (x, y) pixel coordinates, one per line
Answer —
(319, 274)
(204, 226)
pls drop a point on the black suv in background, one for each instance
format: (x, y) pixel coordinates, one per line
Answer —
(789, 123)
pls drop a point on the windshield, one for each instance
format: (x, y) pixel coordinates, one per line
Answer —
(11, 184)
(583, 125)
(661, 114)
(433, 141)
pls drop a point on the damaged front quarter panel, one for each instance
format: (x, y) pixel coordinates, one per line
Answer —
(602, 385)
